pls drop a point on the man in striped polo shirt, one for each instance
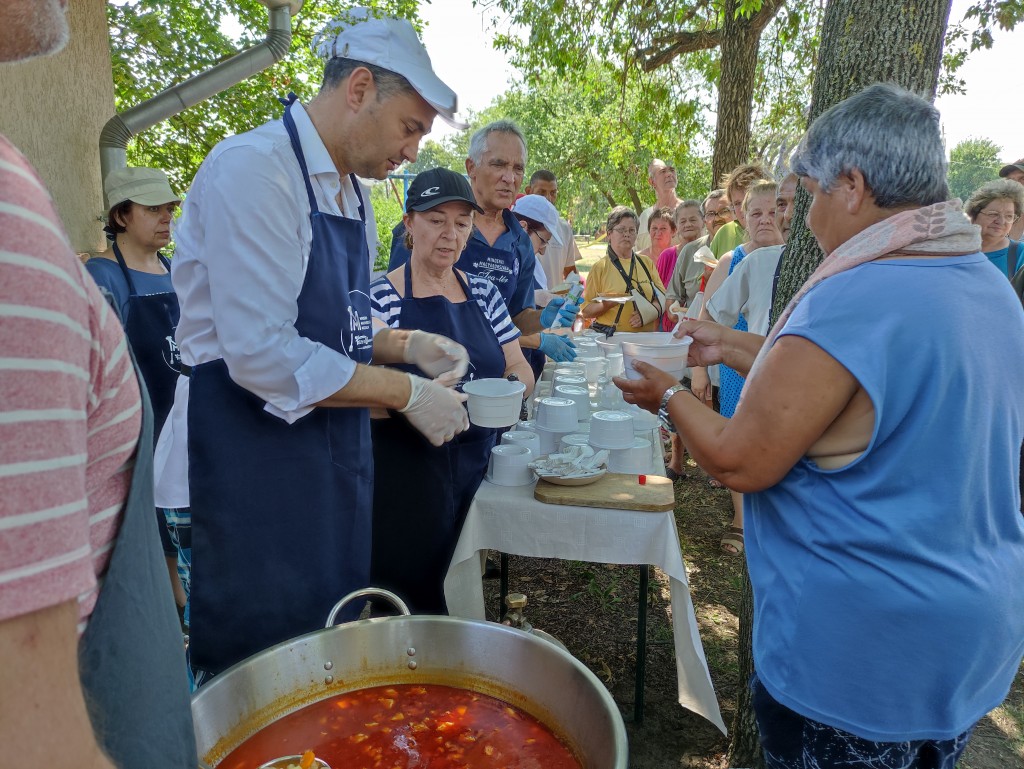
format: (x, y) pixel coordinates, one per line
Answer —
(77, 562)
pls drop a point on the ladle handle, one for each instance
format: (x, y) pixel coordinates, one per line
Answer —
(367, 592)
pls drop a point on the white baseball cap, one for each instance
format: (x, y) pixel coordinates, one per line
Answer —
(391, 44)
(540, 210)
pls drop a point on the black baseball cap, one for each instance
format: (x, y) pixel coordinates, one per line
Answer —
(436, 186)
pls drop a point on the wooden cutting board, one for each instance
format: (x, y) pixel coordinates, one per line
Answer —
(615, 490)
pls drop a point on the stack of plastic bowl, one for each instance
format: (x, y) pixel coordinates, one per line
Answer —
(578, 395)
(668, 354)
(636, 460)
(523, 438)
(494, 402)
(509, 466)
(643, 421)
(556, 417)
(611, 430)
(587, 348)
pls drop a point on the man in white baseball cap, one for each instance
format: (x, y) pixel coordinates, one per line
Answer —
(269, 438)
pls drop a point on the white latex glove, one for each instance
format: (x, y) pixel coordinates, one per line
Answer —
(435, 410)
(437, 355)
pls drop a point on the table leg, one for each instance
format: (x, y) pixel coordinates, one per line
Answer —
(502, 585)
(641, 646)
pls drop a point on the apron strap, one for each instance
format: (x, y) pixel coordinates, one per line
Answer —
(124, 270)
(408, 278)
(293, 136)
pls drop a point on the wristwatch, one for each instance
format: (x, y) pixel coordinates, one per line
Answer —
(666, 420)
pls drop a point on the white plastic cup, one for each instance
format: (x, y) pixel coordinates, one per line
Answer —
(509, 466)
(529, 440)
(578, 395)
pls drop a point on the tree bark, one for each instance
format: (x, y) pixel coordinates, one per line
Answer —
(745, 746)
(863, 42)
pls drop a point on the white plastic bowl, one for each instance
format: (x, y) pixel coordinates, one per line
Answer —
(550, 440)
(613, 343)
(668, 354)
(557, 414)
(494, 402)
(578, 395)
(634, 460)
(596, 365)
(524, 438)
(509, 466)
(611, 430)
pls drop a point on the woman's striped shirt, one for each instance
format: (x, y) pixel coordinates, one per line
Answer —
(69, 409)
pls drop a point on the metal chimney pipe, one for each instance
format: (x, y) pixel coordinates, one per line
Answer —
(119, 130)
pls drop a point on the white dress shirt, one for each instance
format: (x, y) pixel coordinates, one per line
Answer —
(242, 247)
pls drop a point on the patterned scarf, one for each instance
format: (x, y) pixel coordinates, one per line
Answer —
(936, 230)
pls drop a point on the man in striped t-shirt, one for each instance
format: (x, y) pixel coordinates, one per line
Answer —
(70, 416)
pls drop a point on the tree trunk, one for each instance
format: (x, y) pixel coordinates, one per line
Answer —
(863, 42)
(740, 41)
(745, 747)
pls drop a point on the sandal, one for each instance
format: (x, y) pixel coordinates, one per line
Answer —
(715, 484)
(732, 541)
(673, 475)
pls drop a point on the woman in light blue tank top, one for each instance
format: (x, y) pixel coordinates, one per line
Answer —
(878, 448)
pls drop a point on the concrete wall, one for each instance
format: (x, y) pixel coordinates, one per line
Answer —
(53, 108)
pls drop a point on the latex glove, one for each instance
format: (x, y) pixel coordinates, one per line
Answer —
(437, 355)
(558, 308)
(559, 348)
(435, 410)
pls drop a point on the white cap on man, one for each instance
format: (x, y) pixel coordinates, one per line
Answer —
(538, 209)
(390, 44)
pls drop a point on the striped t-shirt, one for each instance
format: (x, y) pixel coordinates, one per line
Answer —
(386, 305)
(69, 409)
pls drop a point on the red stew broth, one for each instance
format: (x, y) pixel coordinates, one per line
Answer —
(408, 727)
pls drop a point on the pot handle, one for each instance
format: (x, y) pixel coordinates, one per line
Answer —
(376, 592)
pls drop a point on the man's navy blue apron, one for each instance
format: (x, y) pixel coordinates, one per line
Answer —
(422, 492)
(150, 325)
(281, 513)
(131, 657)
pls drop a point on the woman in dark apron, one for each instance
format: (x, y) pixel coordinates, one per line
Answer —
(421, 492)
(137, 278)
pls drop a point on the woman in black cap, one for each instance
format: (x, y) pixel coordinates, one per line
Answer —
(422, 492)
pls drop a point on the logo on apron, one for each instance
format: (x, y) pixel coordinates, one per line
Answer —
(359, 335)
(171, 354)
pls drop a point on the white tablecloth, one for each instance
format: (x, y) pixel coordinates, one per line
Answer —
(510, 520)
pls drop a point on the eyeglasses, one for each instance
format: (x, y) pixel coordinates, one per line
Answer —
(993, 216)
(718, 214)
(625, 232)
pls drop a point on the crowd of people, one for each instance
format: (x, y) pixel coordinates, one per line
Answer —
(208, 418)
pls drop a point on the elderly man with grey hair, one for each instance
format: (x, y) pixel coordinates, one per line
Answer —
(877, 445)
(499, 249)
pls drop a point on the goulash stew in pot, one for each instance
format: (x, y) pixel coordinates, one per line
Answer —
(408, 727)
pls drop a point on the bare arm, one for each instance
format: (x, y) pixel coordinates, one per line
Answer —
(528, 321)
(799, 392)
(43, 717)
(372, 386)
(516, 363)
(389, 345)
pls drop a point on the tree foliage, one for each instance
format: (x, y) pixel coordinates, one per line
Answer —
(972, 163)
(158, 43)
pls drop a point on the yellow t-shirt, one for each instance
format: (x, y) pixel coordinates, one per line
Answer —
(604, 278)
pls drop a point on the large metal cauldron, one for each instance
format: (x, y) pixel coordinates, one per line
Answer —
(530, 673)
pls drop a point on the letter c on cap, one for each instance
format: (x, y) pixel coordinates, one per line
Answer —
(430, 192)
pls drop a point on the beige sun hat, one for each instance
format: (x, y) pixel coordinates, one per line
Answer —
(145, 186)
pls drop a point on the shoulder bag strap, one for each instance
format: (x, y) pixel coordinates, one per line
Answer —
(627, 278)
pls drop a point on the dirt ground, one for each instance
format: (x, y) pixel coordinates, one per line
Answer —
(592, 609)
